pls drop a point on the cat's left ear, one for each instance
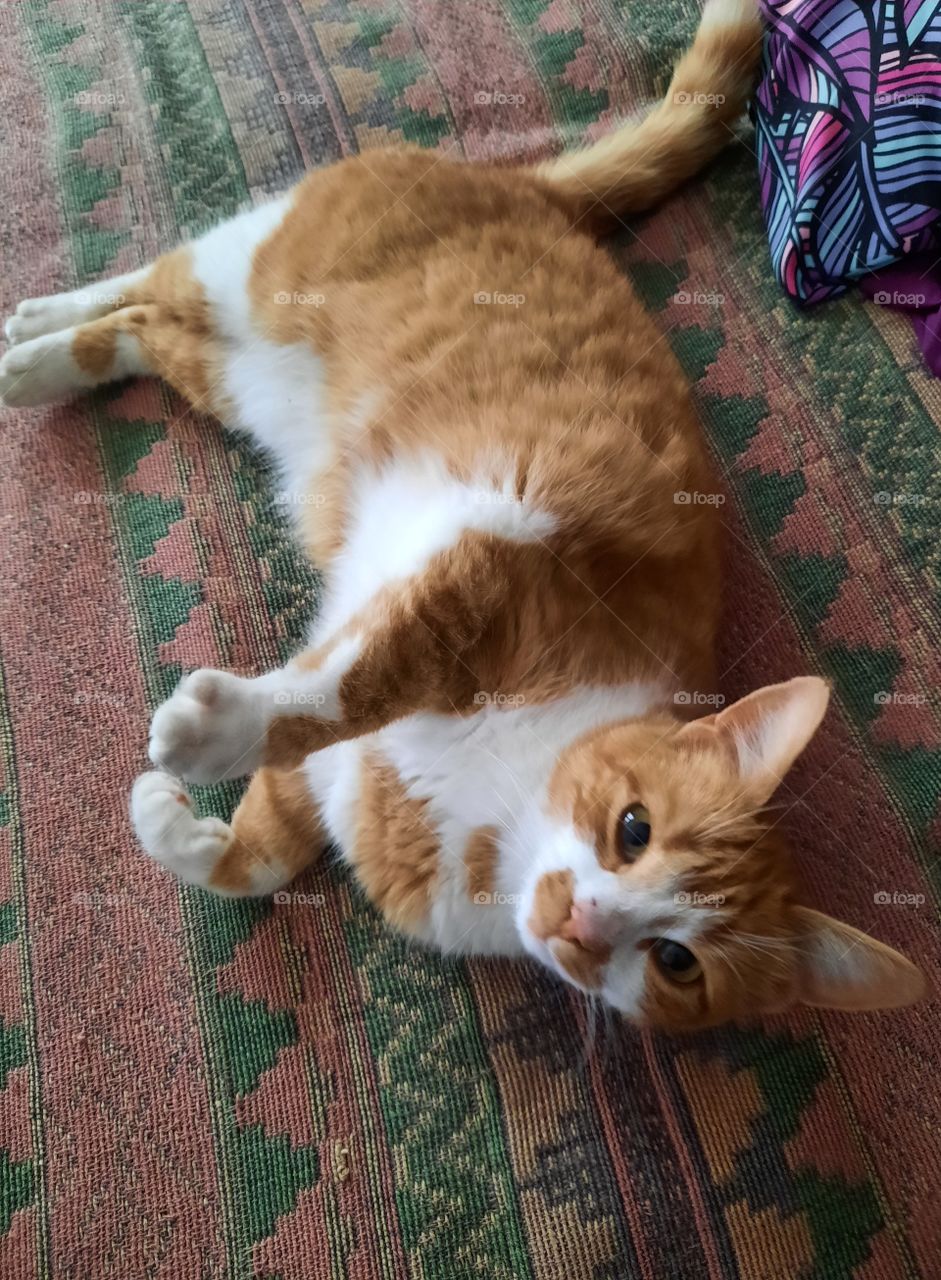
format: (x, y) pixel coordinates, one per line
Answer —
(842, 968)
(769, 729)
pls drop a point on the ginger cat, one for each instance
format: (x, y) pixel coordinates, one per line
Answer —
(483, 434)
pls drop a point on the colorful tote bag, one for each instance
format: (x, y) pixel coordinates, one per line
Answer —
(848, 126)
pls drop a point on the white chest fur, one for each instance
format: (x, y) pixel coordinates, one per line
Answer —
(484, 770)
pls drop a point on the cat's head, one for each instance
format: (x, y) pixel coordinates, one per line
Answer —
(663, 885)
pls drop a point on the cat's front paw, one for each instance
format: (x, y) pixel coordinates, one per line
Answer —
(171, 833)
(213, 727)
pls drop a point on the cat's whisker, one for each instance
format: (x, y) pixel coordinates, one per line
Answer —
(723, 955)
(499, 819)
(509, 773)
(591, 1023)
(758, 939)
(747, 819)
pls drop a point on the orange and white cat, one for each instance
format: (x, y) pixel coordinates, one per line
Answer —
(484, 436)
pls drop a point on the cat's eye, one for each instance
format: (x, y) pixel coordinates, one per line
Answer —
(675, 961)
(633, 831)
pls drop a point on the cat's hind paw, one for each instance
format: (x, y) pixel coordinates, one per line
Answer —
(41, 370)
(35, 317)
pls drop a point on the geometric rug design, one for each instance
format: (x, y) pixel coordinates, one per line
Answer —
(199, 1088)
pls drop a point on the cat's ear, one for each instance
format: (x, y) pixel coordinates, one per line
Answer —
(769, 729)
(842, 968)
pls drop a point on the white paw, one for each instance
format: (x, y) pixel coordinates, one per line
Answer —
(213, 727)
(35, 317)
(41, 370)
(170, 832)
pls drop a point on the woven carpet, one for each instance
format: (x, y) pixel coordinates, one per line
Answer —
(195, 1088)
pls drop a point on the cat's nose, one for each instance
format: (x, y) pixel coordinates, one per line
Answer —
(586, 926)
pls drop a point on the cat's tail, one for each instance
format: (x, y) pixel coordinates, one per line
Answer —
(642, 162)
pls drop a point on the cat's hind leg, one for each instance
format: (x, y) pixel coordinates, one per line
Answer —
(275, 833)
(64, 362)
(155, 321)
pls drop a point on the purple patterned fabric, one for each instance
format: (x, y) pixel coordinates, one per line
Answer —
(848, 125)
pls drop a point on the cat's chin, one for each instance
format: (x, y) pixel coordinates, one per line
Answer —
(570, 964)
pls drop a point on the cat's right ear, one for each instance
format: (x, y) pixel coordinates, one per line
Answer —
(767, 730)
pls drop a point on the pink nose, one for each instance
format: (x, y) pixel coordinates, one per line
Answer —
(585, 926)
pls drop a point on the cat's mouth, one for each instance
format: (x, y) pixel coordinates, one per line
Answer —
(580, 962)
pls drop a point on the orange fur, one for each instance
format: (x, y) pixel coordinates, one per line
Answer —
(276, 826)
(396, 849)
(552, 904)
(167, 315)
(635, 167)
(582, 964)
(714, 848)
(481, 855)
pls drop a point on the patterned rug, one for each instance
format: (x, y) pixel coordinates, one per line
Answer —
(195, 1088)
